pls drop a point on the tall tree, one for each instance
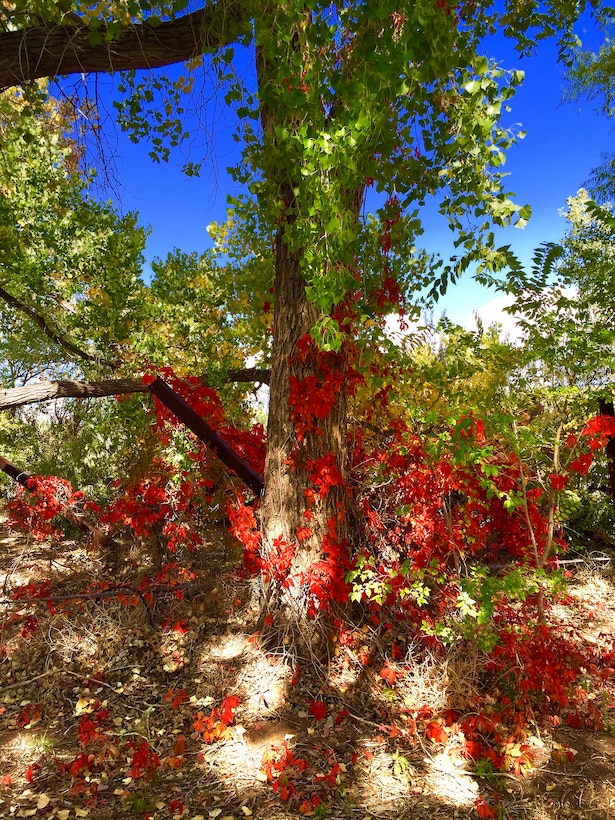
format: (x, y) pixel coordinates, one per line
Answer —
(394, 94)
(592, 74)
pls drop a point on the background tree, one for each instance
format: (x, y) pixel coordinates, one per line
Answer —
(592, 74)
(564, 311)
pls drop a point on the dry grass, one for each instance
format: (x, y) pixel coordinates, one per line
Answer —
(97, 653)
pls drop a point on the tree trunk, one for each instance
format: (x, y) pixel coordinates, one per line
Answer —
(293, 511)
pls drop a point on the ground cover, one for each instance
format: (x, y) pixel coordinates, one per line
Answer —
(133, 690)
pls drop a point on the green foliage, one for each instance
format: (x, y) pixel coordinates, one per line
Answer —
(66, 258)
(592, 74)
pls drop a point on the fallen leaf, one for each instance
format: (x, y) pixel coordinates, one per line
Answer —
(83, 706)
(63, 814)
(43, 801)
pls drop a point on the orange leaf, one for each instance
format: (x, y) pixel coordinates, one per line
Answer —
(388, 674)
(436, 732)
(483, 809)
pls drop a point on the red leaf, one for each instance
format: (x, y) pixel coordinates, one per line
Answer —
(388, 674)
(31, 771)
(558, 481)
(181, 627)
(483, 809)
(436, 732)
(229, 705)
(318, 709)
(582, 464)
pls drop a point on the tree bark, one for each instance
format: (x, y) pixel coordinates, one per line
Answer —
(54, 50)
(287, 510)
(13, 397)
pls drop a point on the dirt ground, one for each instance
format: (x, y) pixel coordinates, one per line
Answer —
(117, 705)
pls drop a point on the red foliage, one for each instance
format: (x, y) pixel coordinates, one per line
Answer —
(214, 727)
(91, 727)
(318, 709)
(283, 769)
(37, 509)
(144, 761)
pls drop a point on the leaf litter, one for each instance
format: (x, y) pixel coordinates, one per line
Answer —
(174, 709)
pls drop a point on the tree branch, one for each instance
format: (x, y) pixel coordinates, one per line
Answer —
(51, 50)
(66, 389)
(51, 333)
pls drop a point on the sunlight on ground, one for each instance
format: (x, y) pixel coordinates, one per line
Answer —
(425, 684)
(450, 781)
(592, 594)
(264, 685)
(229, 646)
(387, 782)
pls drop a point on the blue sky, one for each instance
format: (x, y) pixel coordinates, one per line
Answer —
(564, 142)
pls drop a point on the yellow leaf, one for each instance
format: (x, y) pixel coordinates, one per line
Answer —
(82, 706)
(43, 801)
(63, 814)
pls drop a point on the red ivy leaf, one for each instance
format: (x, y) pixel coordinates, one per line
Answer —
(436, 732)
(582, 464)
(558, 481)
(483, 809)
(388, 674)
(318, 709)
(181, 627)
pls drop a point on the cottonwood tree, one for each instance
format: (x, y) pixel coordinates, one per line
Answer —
(592, 74)
(391, 96)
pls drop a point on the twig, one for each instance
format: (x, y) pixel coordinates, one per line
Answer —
(26, 682)
(115, 592)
